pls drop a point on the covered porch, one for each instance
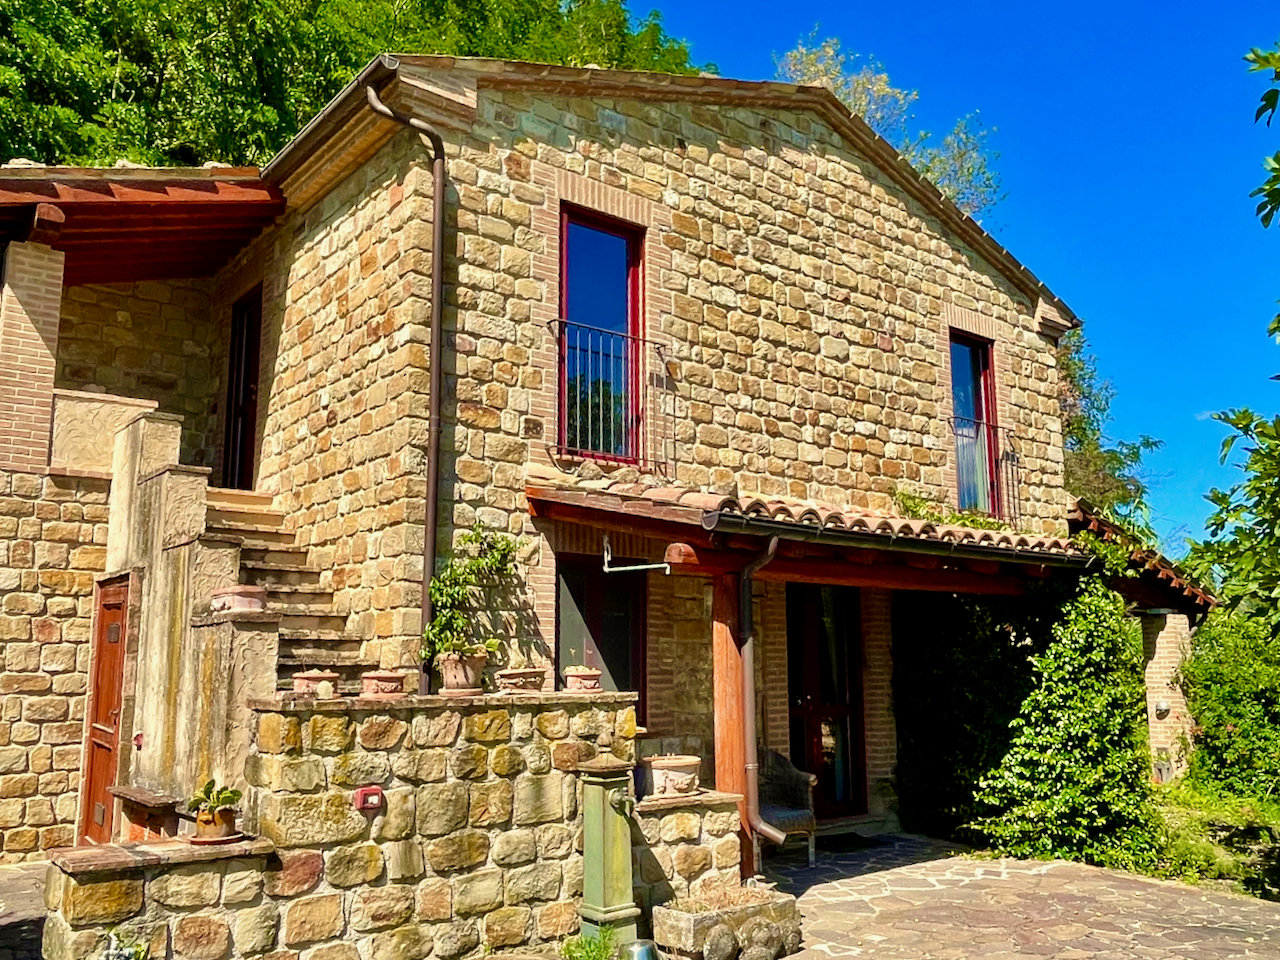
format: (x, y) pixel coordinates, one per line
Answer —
(798, 597)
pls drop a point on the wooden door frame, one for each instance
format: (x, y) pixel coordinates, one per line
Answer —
(132, 579)
(854, 707)
(249, 305)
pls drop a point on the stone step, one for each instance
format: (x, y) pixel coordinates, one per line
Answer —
(231, 497)
(310, 622)
(299, 660)
(314, 605)
(266, 554)
(287, 634)
(255, 536)
(267, 518)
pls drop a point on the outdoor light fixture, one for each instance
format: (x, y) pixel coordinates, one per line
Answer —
(1163, 707)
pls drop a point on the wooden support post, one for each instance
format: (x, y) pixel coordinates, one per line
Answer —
(731, 749)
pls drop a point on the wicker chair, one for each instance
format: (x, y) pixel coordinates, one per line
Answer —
(786, 798)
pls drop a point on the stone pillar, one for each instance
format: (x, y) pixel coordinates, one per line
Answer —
(30, 305)
(1166, 642)
(881, 729)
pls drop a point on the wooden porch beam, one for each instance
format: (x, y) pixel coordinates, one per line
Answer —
(690, 560)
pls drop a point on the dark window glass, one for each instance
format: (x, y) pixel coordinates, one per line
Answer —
(970, 402)
(602, 621)
(599, 352)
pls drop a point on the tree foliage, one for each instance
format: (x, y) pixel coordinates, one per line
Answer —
(962, 164)
(1232, 683)
(181, 82)
(1075, 782)
(1105, 471)
(1268, 194)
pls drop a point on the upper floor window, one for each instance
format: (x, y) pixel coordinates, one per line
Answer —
(973, 421)
(599, 336)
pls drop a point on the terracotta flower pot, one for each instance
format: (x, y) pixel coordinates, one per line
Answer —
(582, 679)
(672, 775)
(381, 685)
(214, 826)
(520, 679)
(308, 682)
(461, 674)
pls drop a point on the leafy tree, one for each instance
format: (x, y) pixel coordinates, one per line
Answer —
(183, 82)
(1268, 61)
(1075, 781)
(961, 165)
(1232, 685)
(1106, 472)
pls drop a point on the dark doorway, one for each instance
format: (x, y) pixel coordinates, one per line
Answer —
(242, 392)
(602, 622)
(103, 727)
(824, 677)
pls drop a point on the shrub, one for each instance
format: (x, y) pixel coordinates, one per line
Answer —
(1232, 683)
(1075, 781)
(1209, 835)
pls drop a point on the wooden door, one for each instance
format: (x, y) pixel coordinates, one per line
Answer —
(824, 660)
(103, 722)
(242, 392)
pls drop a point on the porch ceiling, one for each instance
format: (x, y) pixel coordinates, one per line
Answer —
(124, 224)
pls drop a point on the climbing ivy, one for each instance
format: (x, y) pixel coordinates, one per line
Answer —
(485, 560)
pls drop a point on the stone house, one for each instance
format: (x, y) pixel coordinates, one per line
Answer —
(704, 330)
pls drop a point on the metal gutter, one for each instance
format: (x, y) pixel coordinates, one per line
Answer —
(747, 631)
(722, 522)
(336, 112)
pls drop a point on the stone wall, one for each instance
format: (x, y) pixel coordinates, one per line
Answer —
(478, 845)
(153, 340)
(480, 838)
(343, 399)
(53, 534)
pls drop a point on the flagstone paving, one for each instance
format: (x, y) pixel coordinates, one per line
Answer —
(915, 899)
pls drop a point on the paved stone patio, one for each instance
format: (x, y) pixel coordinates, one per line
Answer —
(912, 899)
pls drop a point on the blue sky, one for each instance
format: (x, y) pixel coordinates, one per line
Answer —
(1128, 152)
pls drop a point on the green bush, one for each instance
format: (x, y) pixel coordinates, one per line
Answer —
(1232, 683)
(1075, 781)
(1213, 836)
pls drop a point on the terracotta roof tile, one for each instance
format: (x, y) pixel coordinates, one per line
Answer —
(807, 513)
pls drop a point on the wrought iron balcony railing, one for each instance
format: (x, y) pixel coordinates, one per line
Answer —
(987, 469)
(604, 408)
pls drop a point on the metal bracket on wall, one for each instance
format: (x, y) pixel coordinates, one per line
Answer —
(608, 558)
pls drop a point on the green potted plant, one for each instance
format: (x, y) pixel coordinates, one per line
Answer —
(451, 641)
(215, 809)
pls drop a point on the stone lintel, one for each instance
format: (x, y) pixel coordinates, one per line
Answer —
(703, 798)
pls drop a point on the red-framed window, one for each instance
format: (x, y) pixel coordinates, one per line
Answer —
(600, 336)
(973, 421)
(601, 621)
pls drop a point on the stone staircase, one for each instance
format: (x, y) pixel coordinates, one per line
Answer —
(311, 634)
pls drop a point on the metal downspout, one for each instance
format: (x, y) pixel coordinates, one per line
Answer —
(436, 359)
(747, 627)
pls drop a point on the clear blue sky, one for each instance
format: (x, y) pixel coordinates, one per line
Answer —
(1128, 151)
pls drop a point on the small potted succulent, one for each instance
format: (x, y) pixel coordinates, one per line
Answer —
(581, 679)
(215, 810)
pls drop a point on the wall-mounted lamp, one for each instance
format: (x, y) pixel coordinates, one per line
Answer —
(1163, 708)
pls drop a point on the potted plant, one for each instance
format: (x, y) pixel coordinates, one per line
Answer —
(215, 810)
(461, 667)
(451, 641)
(581, 679)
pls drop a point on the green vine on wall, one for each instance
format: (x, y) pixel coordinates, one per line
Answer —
(487, 563)
(919, 507)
